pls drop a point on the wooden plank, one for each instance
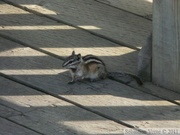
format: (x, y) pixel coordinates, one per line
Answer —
(61, 39)
(166, 44)
(108, 97)
(161, 92)
(6, 111)
(49, 115)
(98, 18)
(62, 43)
(139, 7)
(10, 128)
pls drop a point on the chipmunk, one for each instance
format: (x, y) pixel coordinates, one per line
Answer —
(90, 67)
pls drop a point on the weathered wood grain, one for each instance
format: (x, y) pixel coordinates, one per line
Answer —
(139, 7)
(108, 97)
(6, 111)
(166, 44)
(161, 92)
(9, 128)
(14, 22)
(61, 39)
(96, 17)
(49, 115)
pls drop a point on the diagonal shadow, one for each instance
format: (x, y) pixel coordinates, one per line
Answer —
(53, 82)
(99, 17)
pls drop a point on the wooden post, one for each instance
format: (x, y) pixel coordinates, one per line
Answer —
(166, 44)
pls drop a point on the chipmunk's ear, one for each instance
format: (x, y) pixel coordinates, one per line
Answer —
(73, 53)
(79, 55)
(79, 58)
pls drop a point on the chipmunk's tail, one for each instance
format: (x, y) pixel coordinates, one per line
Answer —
(124, 77)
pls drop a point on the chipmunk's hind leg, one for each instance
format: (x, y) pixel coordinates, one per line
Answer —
(99, 73)
(94, 79)
(102, 72)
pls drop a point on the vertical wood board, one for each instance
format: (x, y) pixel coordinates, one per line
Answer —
(166, 57)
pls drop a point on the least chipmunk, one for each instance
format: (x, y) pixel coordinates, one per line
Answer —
(87, 67)
(90, 67)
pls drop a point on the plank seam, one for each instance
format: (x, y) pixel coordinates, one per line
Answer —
(62, 58)
(20, 113)
(21, 125)
(71, 102)
(72, 25)
(32, 47)
(124, 10)
(145, 90)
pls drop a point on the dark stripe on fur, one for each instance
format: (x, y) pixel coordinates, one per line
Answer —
(89, 57)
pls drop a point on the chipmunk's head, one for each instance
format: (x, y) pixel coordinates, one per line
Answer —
(72, 61)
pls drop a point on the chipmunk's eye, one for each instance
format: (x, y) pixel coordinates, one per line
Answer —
(70, 62)
(78, 58)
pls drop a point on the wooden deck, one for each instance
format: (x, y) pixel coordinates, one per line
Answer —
(35, 98)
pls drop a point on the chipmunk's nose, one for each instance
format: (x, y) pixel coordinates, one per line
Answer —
(65, 64)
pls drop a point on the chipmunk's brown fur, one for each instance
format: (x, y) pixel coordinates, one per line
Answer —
(90, 67)
(87, 67)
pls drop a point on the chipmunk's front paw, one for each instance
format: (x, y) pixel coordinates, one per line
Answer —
(93, 80)
(71, 82)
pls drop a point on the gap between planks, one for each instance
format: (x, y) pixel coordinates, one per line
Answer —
(142, 89)
(67, 100)
(72, 102)
(21, 125)
(56, 56)
(123, 10)
(72, 25)
(32, 111)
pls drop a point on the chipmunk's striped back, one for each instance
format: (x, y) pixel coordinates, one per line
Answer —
(92, 59)
(92, 68)
(87, 67)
